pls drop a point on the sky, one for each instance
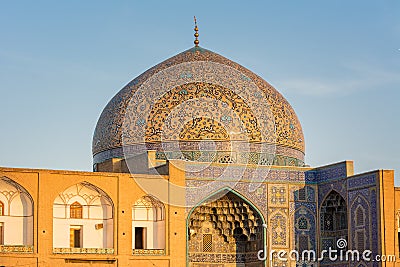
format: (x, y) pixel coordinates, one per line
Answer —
(336, 62)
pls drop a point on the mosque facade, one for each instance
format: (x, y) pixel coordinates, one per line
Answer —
(199, 162)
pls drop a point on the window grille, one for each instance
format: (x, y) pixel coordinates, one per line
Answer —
(302, 194)
(76, 210)
(359, 217)
(207, 243)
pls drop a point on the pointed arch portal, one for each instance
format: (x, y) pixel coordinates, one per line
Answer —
(333, 220)
(225, 228)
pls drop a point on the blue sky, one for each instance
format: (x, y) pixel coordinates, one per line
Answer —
(337, 63)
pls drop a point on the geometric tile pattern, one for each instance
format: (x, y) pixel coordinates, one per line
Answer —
(293, 208)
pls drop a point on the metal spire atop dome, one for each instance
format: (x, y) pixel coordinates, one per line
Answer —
(196, 34)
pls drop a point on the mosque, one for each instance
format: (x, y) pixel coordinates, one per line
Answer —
(198, 162)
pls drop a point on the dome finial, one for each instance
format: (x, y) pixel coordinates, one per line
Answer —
(196, 34)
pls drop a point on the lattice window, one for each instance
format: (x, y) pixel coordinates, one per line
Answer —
(360, 239)
(334, 213)
(302, 223)
(359, 217)
(328, 243)
(76, 210)
(343, 221)
(1, 208)
(302, 194)
(207, 243)
(303, 243)
(328, 222)
(333, 220)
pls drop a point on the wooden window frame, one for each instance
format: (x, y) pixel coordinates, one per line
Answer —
(76, 210)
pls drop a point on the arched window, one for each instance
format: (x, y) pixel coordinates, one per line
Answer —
(83, 220)
(333, 220)
(148, 224)
(1, 208)
(76, 210)
(359, 217)
(334, 213)
(16, 212)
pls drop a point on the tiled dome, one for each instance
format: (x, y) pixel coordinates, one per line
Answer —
(160, 109)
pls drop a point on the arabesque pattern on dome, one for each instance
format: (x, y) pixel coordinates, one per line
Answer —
(286, 130)
(221, 110)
